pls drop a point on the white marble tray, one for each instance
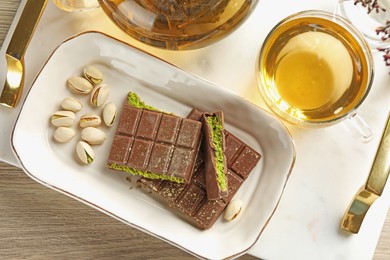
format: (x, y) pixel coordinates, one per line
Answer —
(171, 89)
(330, 165)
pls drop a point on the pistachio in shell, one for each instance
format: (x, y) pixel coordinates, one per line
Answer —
(93, 75)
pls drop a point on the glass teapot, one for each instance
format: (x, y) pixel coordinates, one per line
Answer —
(171, 24)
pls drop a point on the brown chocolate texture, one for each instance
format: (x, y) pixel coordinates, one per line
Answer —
(155, 144)
(190, 200)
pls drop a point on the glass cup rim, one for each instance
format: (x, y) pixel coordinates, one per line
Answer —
(374, 41)
(333, 17)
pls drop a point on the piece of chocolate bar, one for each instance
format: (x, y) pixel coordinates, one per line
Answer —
(190, 200)
(214, 151)
(155, 145)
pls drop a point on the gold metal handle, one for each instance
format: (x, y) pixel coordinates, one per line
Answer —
(373, 188)
(16, 50)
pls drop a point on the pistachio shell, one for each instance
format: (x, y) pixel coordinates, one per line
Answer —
(71, 104)
(85, 152)
(233, 209)
(92, 74)
(99, 95)
(89, 119)
(63, 118)
(109, 114)
(79, 85)
(63, 134)
(93, 135)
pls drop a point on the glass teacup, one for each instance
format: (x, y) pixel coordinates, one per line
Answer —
(368, 18)
(314, 70)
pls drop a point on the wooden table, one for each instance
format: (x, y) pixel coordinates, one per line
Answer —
(39, 223)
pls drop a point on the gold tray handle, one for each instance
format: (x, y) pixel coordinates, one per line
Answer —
(373, 188)
(16, 50)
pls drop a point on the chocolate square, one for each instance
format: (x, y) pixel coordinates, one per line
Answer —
(245, 162)
(139, 154)
(148, 125)
(234, 183)
(169, 128)
(159, 159)
(182, 162)
(129, 120)
(233, 145)
(190, 198)
(120, 149)
(208, 212)
(189, 130)
(168, 190)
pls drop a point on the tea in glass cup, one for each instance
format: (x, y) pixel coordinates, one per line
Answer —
(314, 69)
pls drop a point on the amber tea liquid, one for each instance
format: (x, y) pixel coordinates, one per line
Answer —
(176, 24)
(313, 70)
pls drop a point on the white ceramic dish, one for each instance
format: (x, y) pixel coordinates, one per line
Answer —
(171, 89)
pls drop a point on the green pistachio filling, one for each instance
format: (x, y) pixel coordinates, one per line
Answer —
(146, 174)
(134, 100)
(216, 136)
(89, 158)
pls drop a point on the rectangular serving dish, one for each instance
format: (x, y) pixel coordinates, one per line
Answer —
(169, 88)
